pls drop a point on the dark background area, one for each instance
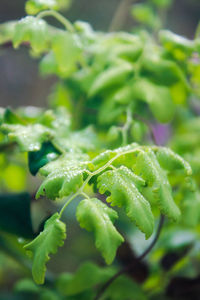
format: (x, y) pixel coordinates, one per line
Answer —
(20, 83)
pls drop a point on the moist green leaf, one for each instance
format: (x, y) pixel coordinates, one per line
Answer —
(171, 161)
(124, 154)
(44, 244)
(150, 170)
(68, 160)
(154, 184)
(33, 30)
(93, 215)
(124, 187)
(30, 137)
(64, 176)
(82, 140)
(68, 52)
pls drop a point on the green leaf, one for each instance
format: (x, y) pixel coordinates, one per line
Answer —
(83, 140)
(124, 153)
(145, 14)
(110, 77)
(149, 169)
(124, 288)
(162, 71)
(104, 115)
(48, 64)
(67, 160)
(175, 240)
(85, 30)
(27, 286)
(190, 207)
(11, 118)
(7, 31)
(124, 187)
(48, 294)
(113, 133)
(37, 159)
(44, 244)
(30, 137)
(62, 121)
(123, 95)
(148, 163)
(33, 30)
(157, 97)
(64, 176)
(60, 96)
(34, 6)
(138, 130)
(68, 52)
(86, 277)
(2, 111)
(162, 3)
(15, 214)
(93, 215)
(180, 46)
(130, 51)
(171, 161)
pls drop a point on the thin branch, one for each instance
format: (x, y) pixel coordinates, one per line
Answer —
(51, 13)
(120, 15)
(126, 127)
(160, 225)
(197, 32)
(131, 266)
(91, 174)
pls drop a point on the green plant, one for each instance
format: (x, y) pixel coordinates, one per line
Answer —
(96, 138)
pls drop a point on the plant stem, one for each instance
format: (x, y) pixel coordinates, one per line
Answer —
(130, 267)
(112, 159)
(197, 33)
(68, 202)
(51, 13)
(119, 15)
(160, 225)
(126, 127)
(91, 174)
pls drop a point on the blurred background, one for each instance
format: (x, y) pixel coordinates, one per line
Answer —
(21, 85)
(17, 89)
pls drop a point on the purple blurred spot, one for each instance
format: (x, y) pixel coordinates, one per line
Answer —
(161, 133)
